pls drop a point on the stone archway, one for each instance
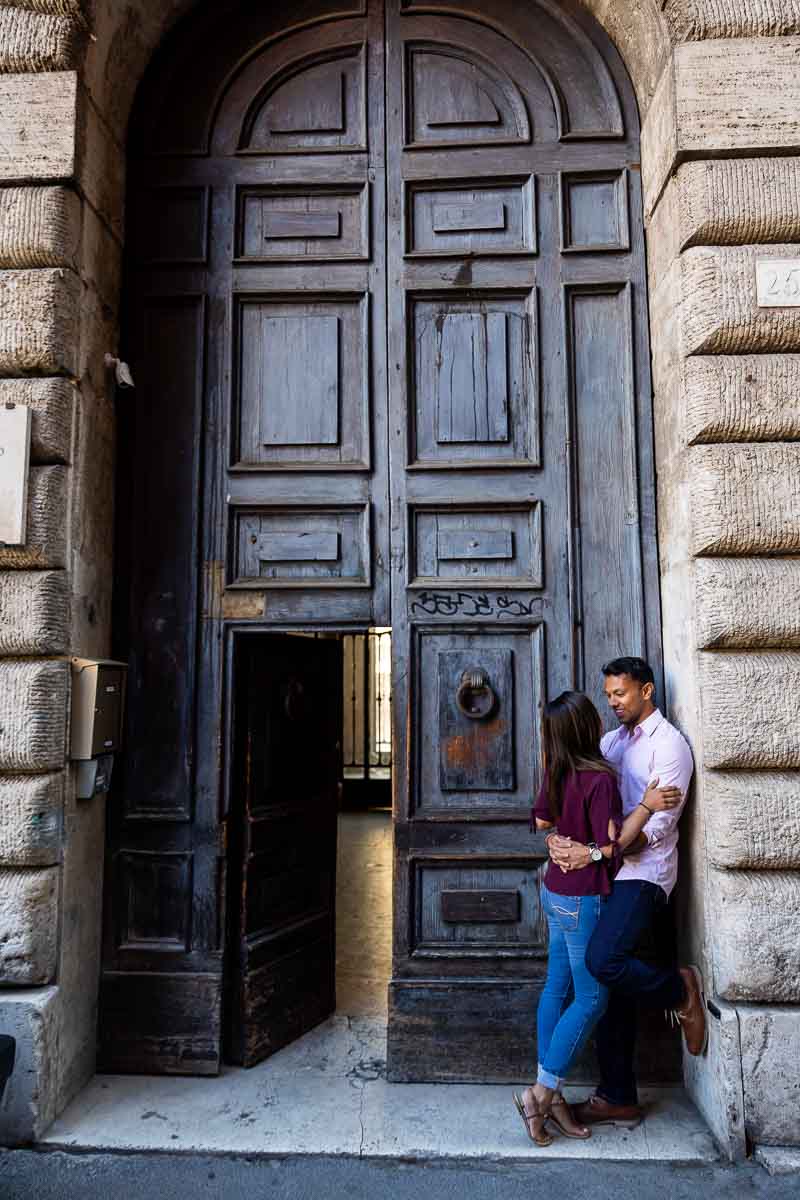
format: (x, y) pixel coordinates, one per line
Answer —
(473, 270)
(714, 113)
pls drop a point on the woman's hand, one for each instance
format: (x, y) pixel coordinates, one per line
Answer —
(661, 799)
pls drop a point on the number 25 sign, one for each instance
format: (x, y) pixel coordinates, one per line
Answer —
(778, 282)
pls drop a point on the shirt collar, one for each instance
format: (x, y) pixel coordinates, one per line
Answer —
(647, 727)
(652, 723)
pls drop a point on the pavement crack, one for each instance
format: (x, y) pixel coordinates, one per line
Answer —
(361, 1119)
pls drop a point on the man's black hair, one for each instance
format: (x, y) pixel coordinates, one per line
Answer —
(637, 668)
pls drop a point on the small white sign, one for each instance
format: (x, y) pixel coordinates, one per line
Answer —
(778, 282)
(15, 441)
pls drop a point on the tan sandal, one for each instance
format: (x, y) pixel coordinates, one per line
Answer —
(561, 1115)
(534, 1121)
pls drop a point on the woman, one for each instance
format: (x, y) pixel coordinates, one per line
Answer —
(579, 798)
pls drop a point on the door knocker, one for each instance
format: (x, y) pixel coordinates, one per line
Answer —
(475, 697)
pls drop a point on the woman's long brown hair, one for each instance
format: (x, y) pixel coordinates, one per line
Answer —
(571, 732)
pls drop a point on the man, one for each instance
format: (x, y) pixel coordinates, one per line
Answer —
(645, 748)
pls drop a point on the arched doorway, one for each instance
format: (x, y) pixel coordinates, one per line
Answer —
(387, 314)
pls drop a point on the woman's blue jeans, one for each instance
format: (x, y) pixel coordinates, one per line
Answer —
(562, 1034)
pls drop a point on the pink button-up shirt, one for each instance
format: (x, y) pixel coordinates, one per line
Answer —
(653, 750)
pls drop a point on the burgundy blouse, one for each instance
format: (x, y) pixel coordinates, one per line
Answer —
(591, 799)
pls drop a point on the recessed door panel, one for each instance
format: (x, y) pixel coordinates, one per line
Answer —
(476, 726)
(594, 211)
(315, 104)
(476, 713)
(302, 383)
(277, 224)
(299, 546)
(606, 466)
(477, 909)
(472, 374)
(451, 220)
(473, 546)
(456, 96)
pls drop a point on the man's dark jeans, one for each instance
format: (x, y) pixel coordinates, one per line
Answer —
(626, 915)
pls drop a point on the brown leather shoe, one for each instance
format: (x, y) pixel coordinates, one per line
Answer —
(693, 1014)
(597, 1111)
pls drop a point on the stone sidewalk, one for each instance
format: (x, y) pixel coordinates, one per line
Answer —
(327, 1095)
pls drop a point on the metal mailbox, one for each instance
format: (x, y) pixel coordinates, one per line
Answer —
(98, 697)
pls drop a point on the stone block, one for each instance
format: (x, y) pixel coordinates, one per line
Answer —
(737, 201)
(662, 237)
(32, 40)
(34, 613)
(747, 398)
(666, 342)
(719, 314)
(31, 818)
(39, 226)
(81, 923)
(639, 34)
(747, 603)
(52, 404)
(698, 20)
(778, 1160)
(755, 948)
(101, 169)
(752, 819)
(714, 1081)
(30, 1016)
(46, 536)
(770, 1042)
(39, 322)
(749, 707)
(101, 272)
(745, 499)
(29, 925)
(729, 95)
(65, 8)
(33, 714)
(38, 115)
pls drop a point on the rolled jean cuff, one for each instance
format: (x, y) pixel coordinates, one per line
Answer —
(548, 1079)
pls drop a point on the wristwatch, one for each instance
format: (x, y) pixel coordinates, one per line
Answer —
(595, 853)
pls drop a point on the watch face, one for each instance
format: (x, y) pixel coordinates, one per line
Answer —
(597, 855)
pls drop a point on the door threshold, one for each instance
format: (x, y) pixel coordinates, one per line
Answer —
(327, 1094)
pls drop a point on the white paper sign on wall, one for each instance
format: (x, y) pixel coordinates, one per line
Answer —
(15, 442)
(778, 282)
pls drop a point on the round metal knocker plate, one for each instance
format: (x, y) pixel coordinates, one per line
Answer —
(475, 697)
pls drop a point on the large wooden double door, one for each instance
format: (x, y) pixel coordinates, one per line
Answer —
(387, 317)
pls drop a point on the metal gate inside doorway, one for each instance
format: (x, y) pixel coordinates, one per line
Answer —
(367, 717)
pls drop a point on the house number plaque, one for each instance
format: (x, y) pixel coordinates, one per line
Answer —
(778, 282)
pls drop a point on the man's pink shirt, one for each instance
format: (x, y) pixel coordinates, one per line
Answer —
(653, 750)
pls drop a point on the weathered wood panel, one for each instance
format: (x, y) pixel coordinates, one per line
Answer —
(281, 894)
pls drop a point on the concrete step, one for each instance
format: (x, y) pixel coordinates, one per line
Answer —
(327, 1095)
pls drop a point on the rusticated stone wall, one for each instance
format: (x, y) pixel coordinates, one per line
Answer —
(59, 259)
(728, 417)
(718, 83)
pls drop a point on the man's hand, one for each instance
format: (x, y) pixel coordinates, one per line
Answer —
(566, 854)
(661, 799)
